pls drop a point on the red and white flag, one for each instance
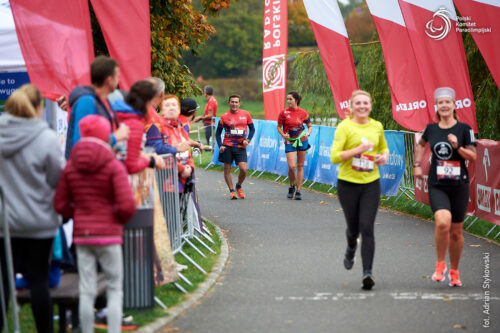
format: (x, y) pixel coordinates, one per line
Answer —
(411, 108)
(333, 44)
(274, 56)
(480, 18)
(126, 29)
(439, 51)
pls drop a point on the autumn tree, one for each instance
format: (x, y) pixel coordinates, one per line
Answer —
(299, 28)
(359, 24)
(175, 26)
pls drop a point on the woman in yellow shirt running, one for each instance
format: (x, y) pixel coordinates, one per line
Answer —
(360, 147)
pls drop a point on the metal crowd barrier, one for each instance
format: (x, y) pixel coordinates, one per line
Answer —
(181, 227)
(10, 272)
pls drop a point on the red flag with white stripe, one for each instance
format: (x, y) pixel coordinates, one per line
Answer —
(439, 51)
(274, 55)
(411, 108)
(478, 17)
(333, 44)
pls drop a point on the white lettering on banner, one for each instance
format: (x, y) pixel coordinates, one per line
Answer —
(483, 195)
(496, 196)
(282, 159)
(344, 105)
(264, 156)
(268, 143)
(417, 105)
(267, 20)
(460, 104)
(395, 159)
(324, 151)
(326, 166)
(389, 176)
(426, 184)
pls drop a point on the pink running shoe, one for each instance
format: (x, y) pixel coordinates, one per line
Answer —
(440, 270)
(454, 277)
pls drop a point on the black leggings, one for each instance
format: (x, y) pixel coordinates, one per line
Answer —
(360, 205)
(32, 258)
(208, 133)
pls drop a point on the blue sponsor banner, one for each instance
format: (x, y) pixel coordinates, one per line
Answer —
(281, 167)
(215, 148)
(9, 82)
(266, 147)
(251, 149)
(391, 174)
(325, 172)
(312, 154)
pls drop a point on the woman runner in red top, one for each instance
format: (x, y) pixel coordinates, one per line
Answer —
(291, 128)
(452, 142)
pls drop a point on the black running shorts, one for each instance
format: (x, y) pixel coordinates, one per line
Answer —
(231, 154)
(452, 198)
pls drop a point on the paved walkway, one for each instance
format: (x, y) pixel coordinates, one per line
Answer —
(285, 270)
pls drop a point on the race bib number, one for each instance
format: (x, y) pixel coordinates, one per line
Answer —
(363, 162)
(448, 170)
(237, 132)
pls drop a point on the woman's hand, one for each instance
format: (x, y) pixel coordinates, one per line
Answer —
(159, 162)
(182, 147)
(417, 171)
(452, 139)
(187, 171)
(286, 136)
(365, 146)
(245, 143)
(381, 159)
(221, 149)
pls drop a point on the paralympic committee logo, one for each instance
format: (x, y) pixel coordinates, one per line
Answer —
(274, 72)
(440, 24)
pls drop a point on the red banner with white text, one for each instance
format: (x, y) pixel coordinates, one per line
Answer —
(274, 57)
(411, 108)
(439, 51)
(488, 181)
(56, 41)
(333, 44)
(480, 19)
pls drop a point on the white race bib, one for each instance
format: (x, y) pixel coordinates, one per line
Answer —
(237, 132)
(448, 170)
(363, 162)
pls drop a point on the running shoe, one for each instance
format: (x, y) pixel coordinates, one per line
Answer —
(454, 277)
(291, 192)
(233, 195)
(127, 323)
(440, 270)
(349, 257)
(368, 281)
(241, 194)
(298, 196)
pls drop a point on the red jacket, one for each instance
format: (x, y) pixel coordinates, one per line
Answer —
(94, 191)
(134, 162)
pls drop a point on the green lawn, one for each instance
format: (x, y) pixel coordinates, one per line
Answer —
(255, 108)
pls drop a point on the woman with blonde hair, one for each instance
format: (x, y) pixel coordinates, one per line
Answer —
(30, 165)
(360, 147)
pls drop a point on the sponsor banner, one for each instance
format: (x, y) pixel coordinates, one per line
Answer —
(274, 56)
(422, 185)
(392, 172)
(51, 33)
(411, 108)
(266, 147)
(439, 51)
(215, 148)
(281, 167)
(127, 18)
(251, 161)
(488, 181)
(325, 172)
(333, 44)
(312, 154)
(479, 18)
(9, 82)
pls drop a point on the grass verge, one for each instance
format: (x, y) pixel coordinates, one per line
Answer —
(168, 294)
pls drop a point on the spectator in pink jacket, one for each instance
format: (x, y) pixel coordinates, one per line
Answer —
(95, 192)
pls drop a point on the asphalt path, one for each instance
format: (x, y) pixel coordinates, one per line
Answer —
(285, 271)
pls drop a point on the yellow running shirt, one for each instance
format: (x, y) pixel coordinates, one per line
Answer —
(349, 135)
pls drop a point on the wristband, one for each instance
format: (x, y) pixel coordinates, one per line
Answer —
(416, 164)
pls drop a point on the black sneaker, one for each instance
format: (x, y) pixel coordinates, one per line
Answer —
(127, 323)
(368, 281)
(349, 257)
(298, 196)
(291, 192)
